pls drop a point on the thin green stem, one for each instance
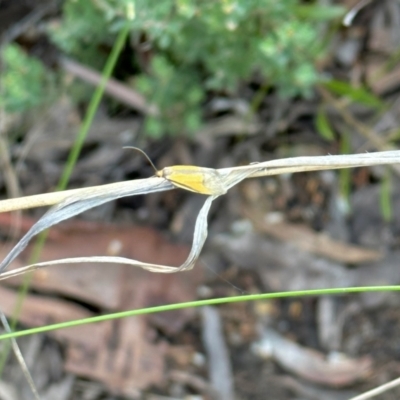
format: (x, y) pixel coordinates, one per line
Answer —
(72, 159)
(199, 303)
(92, 108)
(385, 197)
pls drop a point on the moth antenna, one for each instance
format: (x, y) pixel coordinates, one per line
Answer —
(141, 151)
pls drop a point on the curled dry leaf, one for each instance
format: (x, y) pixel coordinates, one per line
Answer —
(336, 371)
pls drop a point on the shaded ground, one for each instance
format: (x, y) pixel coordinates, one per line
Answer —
(285, 233)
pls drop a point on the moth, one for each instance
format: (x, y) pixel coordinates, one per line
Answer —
(201, 180)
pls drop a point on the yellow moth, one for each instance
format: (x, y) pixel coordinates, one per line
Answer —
(189, 177)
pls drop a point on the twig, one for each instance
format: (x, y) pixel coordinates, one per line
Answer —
(349, 17)
(378, 390)
(113, 88)
(10, 175)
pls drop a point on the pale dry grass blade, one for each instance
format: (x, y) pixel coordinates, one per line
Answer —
(92, 197)
(268, 168)
(199, 237)
(378, 390)
(317, 163)
(81, 202)
(20, 358)
(149, 185)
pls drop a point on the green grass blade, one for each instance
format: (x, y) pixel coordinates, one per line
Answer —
(200, 303)
(92, 108)
(72, 159)
(385, 197)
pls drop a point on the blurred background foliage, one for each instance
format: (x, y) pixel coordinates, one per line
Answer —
(25, 81)
(185, 50)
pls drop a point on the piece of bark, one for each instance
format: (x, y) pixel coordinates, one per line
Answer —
(320, 244)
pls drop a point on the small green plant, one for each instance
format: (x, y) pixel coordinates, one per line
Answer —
(177, 93)
(195, 47)
(24, 83)
(84, 32)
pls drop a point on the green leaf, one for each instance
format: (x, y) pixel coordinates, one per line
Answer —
(323, 126)
(153, 128)
(25, 82)
(358, 95)
(385, 197)
(319, 12)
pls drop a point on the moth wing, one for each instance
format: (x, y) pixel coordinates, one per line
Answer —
(214, 182)
(196, 179)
